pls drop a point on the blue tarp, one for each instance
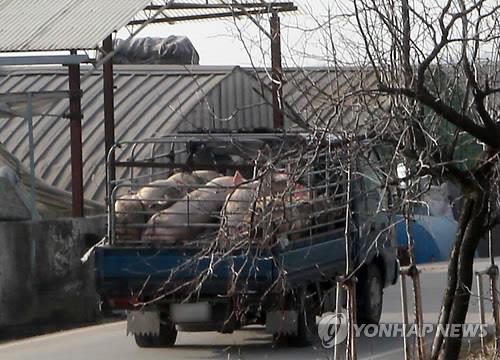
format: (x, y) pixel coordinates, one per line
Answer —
(433, 235)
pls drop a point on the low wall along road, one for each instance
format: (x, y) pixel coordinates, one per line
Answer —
(42, 280)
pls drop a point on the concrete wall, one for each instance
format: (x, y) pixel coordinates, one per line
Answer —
(41, 277)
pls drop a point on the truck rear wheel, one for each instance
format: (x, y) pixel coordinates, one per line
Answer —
(308, 307)
(144, 341)
(166, 338)
(369, 296)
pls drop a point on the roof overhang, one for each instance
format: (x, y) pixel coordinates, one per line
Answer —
(57, 25)
(53, 25)
(185, 11)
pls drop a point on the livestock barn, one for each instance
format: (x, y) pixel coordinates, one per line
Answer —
(155, 100)
(150, 101)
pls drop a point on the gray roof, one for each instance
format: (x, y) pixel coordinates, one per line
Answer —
(323, 95)
(62, 24)
(150, 101)
(154, 100)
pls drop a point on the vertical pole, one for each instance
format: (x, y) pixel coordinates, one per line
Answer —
(348, 342)
(414, 274)
(109, 107)
(29, 120)
(493, 273)
(338, 310)
(353, 319)
(404, 301)
(479, 283)
(417, 293)
(350, 284)
(34, 215)
(277, 72)
(75, 108)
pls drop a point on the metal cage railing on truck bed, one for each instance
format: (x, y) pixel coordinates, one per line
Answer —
(286, 189)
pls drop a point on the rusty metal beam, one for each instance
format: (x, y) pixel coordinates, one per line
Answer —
(188, 6)
(75, 116)
(109, 104)
(219, 15)
(276, 72)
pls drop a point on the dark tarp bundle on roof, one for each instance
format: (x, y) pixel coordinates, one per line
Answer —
(174, 49)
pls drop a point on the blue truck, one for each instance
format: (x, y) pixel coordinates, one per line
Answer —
(280, 273)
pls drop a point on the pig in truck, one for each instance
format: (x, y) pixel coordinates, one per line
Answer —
(259, 239)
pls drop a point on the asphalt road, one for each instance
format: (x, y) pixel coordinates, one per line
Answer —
(108, 342)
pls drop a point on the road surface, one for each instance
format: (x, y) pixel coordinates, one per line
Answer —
(108, 342)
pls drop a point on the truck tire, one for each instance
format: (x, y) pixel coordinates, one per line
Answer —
(166, 338)
(144, 341)
(369, 296)
(307, 305)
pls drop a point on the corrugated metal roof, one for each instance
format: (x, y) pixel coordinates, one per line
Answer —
(62, 24)
(322, 94)
(153, 100)
(150, 100)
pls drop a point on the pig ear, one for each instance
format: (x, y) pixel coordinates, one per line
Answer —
(299, 186)
(238, 178)
(299, 191)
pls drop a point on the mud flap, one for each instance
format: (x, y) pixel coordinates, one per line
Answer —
(143, 323)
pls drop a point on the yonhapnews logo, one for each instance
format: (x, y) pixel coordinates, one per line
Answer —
(333, 330)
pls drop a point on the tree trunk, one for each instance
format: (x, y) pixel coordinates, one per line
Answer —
(460, 273)
(452, 278)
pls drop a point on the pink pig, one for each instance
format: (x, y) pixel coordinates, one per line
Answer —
(178, 222)
(160, 194)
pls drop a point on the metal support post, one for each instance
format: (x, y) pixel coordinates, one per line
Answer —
(337, 351)
(277, 72)
(480, 295)
(109, 106)
(75, 116)
(28, 116)
(29, 119)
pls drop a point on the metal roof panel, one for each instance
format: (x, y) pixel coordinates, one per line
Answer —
(62, 24)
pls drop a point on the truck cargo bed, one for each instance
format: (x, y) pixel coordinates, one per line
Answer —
(131, 270)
